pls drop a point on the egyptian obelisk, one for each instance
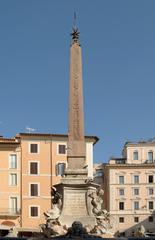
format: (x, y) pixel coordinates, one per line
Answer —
(76, 153)
(76, 187)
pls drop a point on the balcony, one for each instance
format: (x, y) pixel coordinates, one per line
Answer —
(150, 161)
(10, 212)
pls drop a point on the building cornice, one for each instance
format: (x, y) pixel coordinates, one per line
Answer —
(95, 139)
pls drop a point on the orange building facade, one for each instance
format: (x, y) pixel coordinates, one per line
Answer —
(31, 164)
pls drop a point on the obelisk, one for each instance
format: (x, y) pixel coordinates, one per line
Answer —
(75, 185)
(76, 147)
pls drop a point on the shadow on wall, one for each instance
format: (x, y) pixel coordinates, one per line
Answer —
(140, 228)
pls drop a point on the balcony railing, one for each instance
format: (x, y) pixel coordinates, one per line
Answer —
(150, 161)
(10, 211)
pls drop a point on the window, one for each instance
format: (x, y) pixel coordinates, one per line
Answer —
(150, 156)
(150, 205)
(121, 179)
(136, 178)
(33, 148)
(13, 161)
(136, 219)
(13, 179)
(34, 211)
(150, 178)
(13, 204)
(34, 189)
(121, 191)
(120, 161)
(136, 205)
(61, 149)
(33, 167)
(99, 173)
(121, 219)
(60, 169)
(121, 205)
(150, 191)
(136, 191)
(150, 218)
(135, 155)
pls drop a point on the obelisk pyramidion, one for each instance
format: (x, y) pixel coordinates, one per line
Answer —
(76, 150)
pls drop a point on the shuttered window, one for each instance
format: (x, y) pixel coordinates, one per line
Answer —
(34, 189)
(60, 169)
(33, 168)
(33, 148)
(62, 149)
(34, 211)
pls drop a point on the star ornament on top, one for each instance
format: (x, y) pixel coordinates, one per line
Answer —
(75, 34)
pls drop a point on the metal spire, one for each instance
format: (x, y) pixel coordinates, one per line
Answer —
(75, 33)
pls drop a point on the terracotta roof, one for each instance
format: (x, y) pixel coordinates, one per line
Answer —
(51, 135)
(8, 141)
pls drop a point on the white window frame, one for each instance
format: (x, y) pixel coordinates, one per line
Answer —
(137, 218)
(10, 185)
(10, 160)
(14, 196)
(150, 174)
(134, 192)
(119, 191)
(123, 206)
(38, 163)
(136, 209)
(59, 162)
(134, 178)
(30, 189)
(135, 151)
(38, 143)
(149, 190)
(150, 151)
(38, 206)
(61, 154)
(151, 209)
(119, 179)
(121, 218)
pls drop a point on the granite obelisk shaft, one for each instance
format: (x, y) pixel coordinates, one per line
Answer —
(76, 153)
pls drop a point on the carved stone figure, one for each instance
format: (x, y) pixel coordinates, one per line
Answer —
(97, 201)
(12, 233)
(76, 230)
(140, 231)
(54, 213)
(53, 226)
(102, 215)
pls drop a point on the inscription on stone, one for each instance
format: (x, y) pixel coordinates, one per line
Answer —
(76, 120)
(75, 203)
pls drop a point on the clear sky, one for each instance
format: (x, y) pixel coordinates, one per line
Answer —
(118, 46)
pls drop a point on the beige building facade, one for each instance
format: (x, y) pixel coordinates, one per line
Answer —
(129, 184)
(30, 165)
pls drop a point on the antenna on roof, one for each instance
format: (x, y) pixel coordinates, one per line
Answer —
(74, 20)
(30, 130)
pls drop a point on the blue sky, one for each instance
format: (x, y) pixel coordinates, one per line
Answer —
(118, 47)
